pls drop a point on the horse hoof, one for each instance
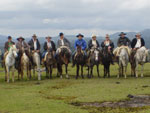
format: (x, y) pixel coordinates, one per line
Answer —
(61, 77)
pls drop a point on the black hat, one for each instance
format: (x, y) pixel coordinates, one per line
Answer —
(80, 35)
(60, 34)
(48, 37)
(9, 37)
(122, 33)
(20, 38)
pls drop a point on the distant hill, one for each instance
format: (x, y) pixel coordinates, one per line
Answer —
(114, 37)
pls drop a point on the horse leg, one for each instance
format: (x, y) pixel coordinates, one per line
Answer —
(77, 71)
(8, 72)
(136, 70)
(66, 67)
(82, 72)
(22, 74)
(98, 71)
(5, 74)
(60, 71)
(88, 72)
(119, 71)
(91, 74)
(104, 71)
(142, 69)
(51, 68)
(108, 71)
(13, 78)
(125, 70)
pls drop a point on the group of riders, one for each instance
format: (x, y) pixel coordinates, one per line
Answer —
(34, 46)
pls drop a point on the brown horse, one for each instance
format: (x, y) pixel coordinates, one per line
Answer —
(50, 63)
(63, 58)
(80, 60)
(25, 64)
(95, 57)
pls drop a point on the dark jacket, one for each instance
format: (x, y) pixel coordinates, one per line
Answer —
(66, 42)
(52, 44)
(123, 41)
(7, 45)
(134, 41)
(31, 44)
(111, 45)
(90, 45)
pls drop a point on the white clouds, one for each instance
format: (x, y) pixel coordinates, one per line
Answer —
(75, 15)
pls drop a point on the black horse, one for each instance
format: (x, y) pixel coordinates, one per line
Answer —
(50, 63)
(95, 57)
(63, 58)
(106, 61)
(80, 60)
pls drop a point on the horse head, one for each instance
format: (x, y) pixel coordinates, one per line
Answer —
(13, 50)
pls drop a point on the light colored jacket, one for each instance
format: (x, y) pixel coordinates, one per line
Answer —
(66, 43)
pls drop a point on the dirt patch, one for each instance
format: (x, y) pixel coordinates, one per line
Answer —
(67, 98)
(133, 103)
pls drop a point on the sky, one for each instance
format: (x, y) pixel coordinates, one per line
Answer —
(49, 17)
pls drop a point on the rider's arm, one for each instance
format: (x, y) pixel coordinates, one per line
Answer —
(75, 44)
(45, 46)
(84, 46)
(118, 43)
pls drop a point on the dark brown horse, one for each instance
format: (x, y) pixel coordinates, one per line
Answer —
(80, 60)
(95, 57)
(50, 63)
(63, 58)
(106, 61)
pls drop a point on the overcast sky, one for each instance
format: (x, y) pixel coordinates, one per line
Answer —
(49, 17)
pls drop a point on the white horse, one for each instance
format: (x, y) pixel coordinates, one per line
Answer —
(36, 61)
(140, 58)
(123, 62)
(10, 62)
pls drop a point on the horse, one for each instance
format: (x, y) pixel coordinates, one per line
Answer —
(36, 64)
(50, 63)
(79, 61)
(63, 58)
(24, 64)
(9, 63)
(138, 58)
(123, 62)
(94, 59)
(106, 61)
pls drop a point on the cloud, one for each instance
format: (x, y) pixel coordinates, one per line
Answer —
(73, 16)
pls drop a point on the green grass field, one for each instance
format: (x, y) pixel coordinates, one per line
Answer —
(56, 95)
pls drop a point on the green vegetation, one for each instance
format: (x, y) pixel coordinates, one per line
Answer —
(56, 95)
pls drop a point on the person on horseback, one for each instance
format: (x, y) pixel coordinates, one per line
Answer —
(48, 45)
(21, 45)
(7, 46)
(93, 43)
(107, 43)
(62, 43)
(137, 43)
(123, 42)
(34, 45)
(82, 43)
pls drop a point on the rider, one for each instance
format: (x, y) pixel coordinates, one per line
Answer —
(21, 45)
(48, 45)
(34, 45)
(123, 42)
(7, 46)
(107, 43)
(138, 43)
(93, 43)
(79, 42)
(62, 42)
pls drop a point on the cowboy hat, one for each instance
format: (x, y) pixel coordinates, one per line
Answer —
(34, 35)
(60, 34)
(93, 35)
(80, 35)
(138, 34)
(9, 37)
(122, 33)
(107, 36)
(20, 38)
(48, 37)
